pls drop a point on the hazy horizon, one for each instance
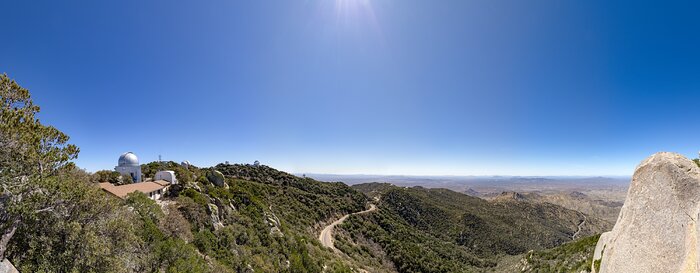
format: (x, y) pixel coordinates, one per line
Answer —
(492, 184)
(467, 176)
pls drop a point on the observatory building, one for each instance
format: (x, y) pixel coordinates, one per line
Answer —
(154, 188)
(186, 164)
(129, 165)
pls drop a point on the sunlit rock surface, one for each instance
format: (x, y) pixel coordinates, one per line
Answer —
(657, 228)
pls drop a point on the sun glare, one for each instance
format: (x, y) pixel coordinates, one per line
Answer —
(353, 9)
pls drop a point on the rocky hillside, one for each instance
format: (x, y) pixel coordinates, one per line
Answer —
(574, 200)
(578, 201)
(572, 257)
(263, 219)
(437, 230)
(657, 229)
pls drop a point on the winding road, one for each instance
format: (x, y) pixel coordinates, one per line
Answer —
(326, 236)
(573, 237)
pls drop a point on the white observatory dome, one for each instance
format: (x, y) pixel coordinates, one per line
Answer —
(128, 159)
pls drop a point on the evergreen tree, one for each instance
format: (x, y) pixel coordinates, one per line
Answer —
(30, 152)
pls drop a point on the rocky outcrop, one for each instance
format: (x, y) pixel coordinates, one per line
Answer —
(472, 192)
(271, 220)
(657, 228)
(509, 196)
(7, 267)
(216, 178)
(214, 217)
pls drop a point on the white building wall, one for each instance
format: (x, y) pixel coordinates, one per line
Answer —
(167, 176)
(133, 171)
(157, 194)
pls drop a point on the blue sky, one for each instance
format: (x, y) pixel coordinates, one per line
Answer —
(365, 86)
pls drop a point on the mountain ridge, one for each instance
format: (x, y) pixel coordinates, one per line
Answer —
(476, 232)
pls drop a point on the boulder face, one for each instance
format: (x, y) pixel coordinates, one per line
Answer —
(657, 228)
(214, 217)
(216, 177)
(7, 267)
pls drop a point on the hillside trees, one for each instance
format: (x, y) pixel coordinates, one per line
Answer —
(125, 179)
(575, 256)
(52, 219)
(183, 174)
(175, 225)
(106, 176)
(165, 238)
(86, 232)
(438, 230)
(30, 152)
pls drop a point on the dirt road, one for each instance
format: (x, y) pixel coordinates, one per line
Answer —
(326, 236)
(579, 228)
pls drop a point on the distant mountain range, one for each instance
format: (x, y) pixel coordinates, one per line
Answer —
(488, 184)
(607, 210)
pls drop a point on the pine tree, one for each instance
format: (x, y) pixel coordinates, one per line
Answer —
(29, 153)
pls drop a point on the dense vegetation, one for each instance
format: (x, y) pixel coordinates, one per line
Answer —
(268, 218)
(183, 174)
(437, 230)
(571, 257)
(111, 177)
(302, 202)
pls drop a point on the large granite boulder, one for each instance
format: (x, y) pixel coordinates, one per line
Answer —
(657, 229)
(216, 178)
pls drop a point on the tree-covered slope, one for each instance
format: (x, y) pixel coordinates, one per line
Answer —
(299, 202)
(571, 257)
(438, 230)
(263, 219)
(602, 209)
